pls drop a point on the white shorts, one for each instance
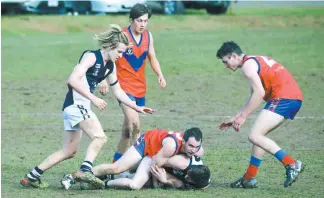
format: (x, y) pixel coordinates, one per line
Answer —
(74, 114)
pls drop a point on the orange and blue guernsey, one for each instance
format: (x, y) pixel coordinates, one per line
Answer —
(131, 66)
(153, 141)
(276, 80)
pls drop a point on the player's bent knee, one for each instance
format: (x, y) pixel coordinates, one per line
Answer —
(117, 168)
(70, 154)
(135, 186)
(102, 138)
(254, 139)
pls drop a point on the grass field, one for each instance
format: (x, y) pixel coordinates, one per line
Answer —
(39, 52)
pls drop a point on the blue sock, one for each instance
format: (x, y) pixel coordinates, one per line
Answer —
(280, 154)
(117, 156)
(284, 158)
(255, 161)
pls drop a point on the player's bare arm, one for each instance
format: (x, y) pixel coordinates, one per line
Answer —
(103, 87)
(250, 72)
(177, 162)
(155, 63)
(75, 80)
(160, 176)
(168, 150)
(122, 96)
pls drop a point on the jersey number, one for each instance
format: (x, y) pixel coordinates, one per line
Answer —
(269, 62)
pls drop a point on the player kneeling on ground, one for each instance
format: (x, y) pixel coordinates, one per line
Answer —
(161, 144)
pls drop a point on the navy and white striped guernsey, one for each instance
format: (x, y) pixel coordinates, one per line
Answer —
(94, 75)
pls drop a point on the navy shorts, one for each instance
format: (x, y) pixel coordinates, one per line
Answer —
(140, 145)
(139, 101)
(285, 107)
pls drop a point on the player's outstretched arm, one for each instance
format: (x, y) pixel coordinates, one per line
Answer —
(121, 95)
(250, 72)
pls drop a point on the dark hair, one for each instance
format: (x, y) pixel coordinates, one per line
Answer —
(228, 48)
(200, 174)
(139, 10)
(193, 132)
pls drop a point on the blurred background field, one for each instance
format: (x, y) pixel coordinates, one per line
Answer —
(39, 52)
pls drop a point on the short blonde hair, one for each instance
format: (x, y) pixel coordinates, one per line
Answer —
(110, 38)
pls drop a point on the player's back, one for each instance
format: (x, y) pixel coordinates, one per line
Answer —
(276, 80)
(154, 138)
(131, 66)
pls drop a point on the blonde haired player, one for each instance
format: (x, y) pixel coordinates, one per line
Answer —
(93, 67)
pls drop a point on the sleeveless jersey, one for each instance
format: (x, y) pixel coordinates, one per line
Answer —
(276, 80)
(94, 75)
(153, 141)
(131, 66)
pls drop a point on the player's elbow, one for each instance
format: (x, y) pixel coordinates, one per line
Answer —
(260, 93)
(71, 81)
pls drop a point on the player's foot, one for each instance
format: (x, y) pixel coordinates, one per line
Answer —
(26, 182)
(107, 179)
(292, 172)
(241, 183)
(88, 177)
(67, 181)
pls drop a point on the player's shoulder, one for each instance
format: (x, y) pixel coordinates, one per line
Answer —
(88, 57)
(251, 65)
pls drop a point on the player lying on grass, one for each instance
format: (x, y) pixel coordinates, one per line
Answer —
(270, 81)
(159, 143)
(180, 171)
(93, 67)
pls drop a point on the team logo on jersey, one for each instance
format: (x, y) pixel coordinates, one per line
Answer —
(95, 72)
(129, 51)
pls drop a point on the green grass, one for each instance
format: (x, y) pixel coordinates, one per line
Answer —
(39, 52)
